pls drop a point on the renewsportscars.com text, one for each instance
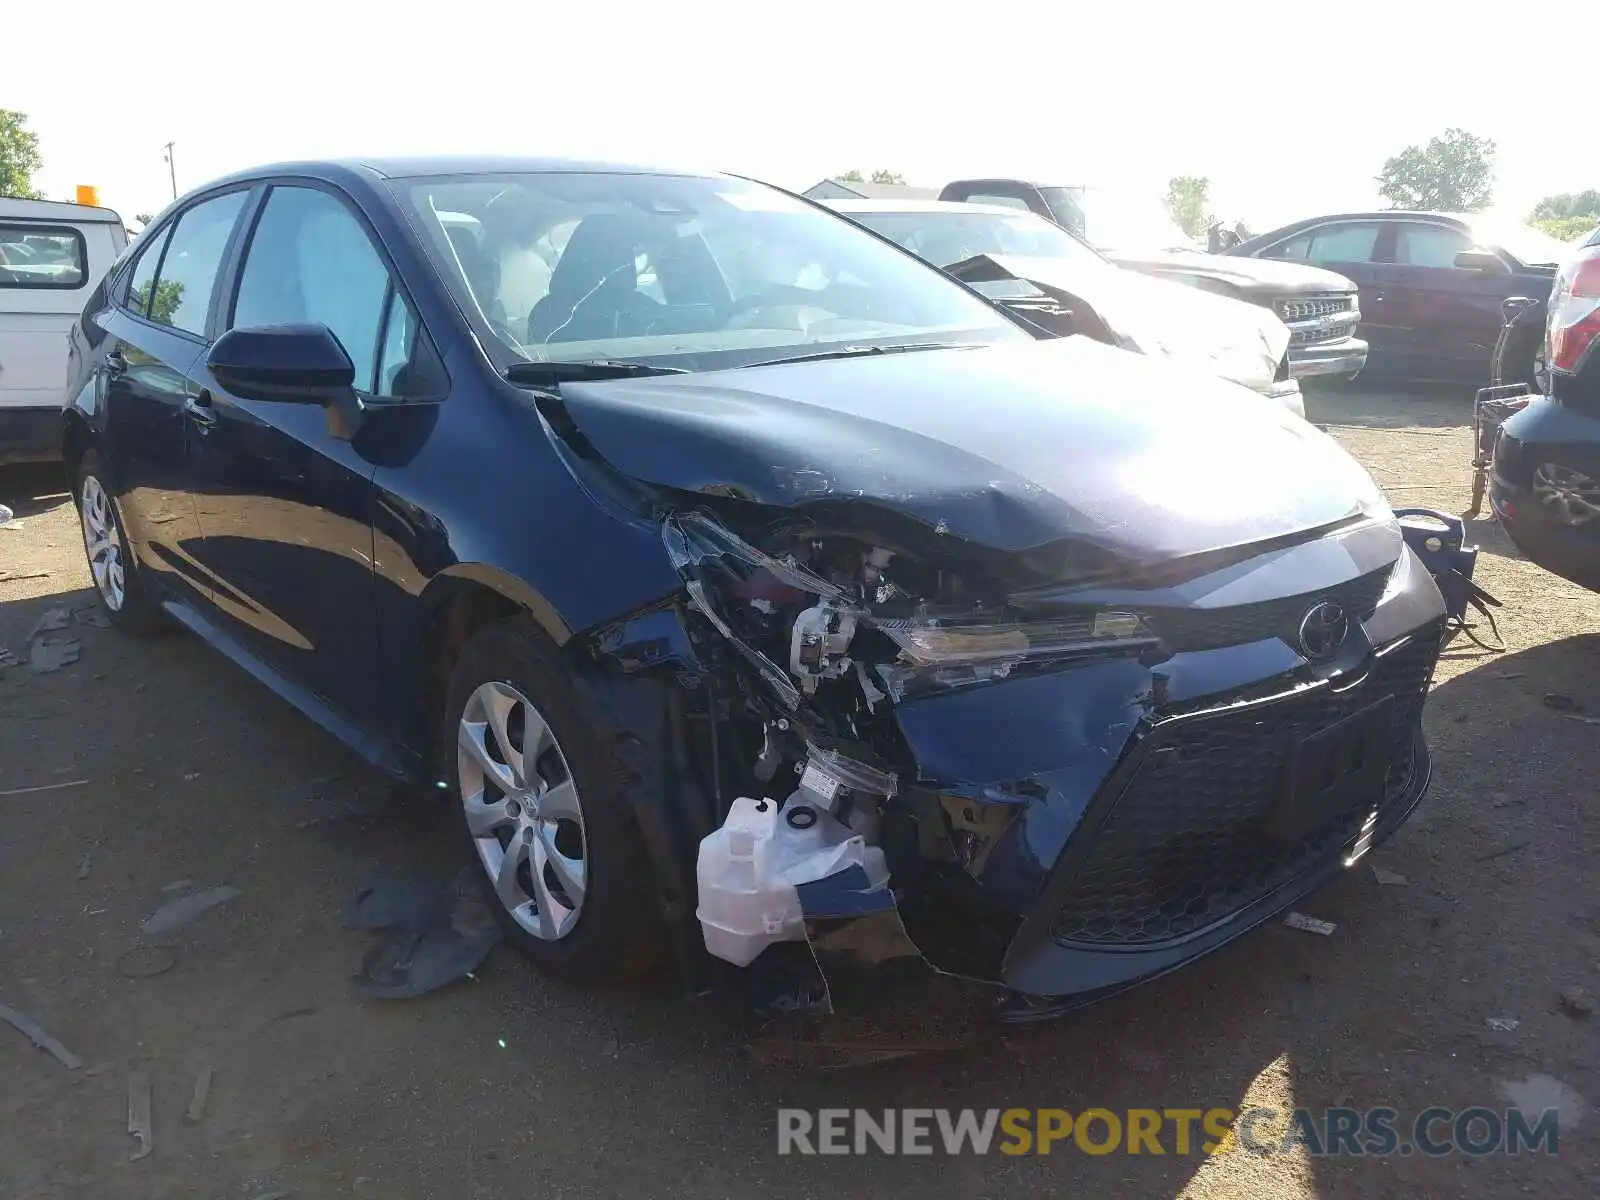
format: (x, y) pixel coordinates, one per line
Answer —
(1332, 1132)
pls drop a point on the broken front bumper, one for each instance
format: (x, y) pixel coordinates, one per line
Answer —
(1112, 822)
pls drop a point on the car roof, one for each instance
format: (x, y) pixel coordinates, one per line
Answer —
(908, 207)
(1282, 232)
(452, 164)
(56, 210)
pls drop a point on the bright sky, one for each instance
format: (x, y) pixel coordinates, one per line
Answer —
(1289, 108)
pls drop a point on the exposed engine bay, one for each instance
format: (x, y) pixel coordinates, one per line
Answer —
(838, 629)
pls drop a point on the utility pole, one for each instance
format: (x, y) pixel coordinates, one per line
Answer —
(172, 169)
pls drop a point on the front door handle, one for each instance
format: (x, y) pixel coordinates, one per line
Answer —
(200, 411)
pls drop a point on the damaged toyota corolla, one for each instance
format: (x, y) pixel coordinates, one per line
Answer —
(744, 580)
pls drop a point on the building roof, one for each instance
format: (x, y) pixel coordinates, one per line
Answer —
(878, 191)
(913, 205)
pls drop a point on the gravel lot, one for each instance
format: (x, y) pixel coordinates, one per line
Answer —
(510, 1085)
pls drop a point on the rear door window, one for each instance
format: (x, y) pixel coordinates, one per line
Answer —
(1330, 245)
(42, 256)
(1423, 245)
(187, 275)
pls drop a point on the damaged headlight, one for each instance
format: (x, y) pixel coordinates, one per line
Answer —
(942, 654)
(936, 643)
(838, 608)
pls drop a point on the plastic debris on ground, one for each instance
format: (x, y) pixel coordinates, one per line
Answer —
(46, 657)
(1503, 1024)
(1309, 924)
(1387, 877)
(94, 616)
(52, 620)
(139, 1124)
(7, 658)
(434, 935)
(202, 1093)
(178, 912)
(35, 1033)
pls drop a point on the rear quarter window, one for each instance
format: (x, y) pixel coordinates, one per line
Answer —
(42, 257)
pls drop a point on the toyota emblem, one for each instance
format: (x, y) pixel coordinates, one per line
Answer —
(1323, 630)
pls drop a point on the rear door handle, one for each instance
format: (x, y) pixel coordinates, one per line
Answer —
(200, 411)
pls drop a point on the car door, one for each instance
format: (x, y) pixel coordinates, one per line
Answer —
(1354, 249)
(154, 329)
(286, 498)
(1452, 315)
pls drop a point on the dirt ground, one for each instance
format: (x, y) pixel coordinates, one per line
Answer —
(510, 1085)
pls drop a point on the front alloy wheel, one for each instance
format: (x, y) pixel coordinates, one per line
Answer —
(522, 810)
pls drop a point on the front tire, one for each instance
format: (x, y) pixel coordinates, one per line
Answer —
(543, 810)
(117, 579)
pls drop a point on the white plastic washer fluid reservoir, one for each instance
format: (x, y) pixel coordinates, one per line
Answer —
(748, 870)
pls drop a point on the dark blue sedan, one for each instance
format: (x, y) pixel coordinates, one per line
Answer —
(609, 502)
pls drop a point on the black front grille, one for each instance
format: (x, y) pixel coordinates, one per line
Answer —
(1192, 838)
(1208, 628)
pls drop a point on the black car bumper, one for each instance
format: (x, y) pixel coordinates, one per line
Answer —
(30, 435)
(1547, 434)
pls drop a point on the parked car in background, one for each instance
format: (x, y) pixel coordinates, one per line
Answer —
(752, 546)
(1545, 486)
(1320, 307)
(1431, 286)
(51, 256)
(1039, 270)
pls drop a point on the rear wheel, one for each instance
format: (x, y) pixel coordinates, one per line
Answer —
(543, 810)
(117, 578)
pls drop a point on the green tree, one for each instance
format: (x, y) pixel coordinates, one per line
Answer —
(1188, 201)
(1565, 229)
(881, 176)
(853, 175)
(1452, 173)
(19, 155)
(169, 294)
(1569, 204)
(1567, 214)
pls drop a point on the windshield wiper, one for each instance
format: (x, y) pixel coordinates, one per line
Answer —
(861, 351)
(583, 370)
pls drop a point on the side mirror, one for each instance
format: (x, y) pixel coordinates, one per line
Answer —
(1480, 260)
(294, 364)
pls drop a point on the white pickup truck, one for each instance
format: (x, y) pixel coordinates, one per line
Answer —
(51, 257)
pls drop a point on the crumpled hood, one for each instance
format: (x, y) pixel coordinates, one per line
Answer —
(1238, 341)
(1012, 447)
(1255, 277)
